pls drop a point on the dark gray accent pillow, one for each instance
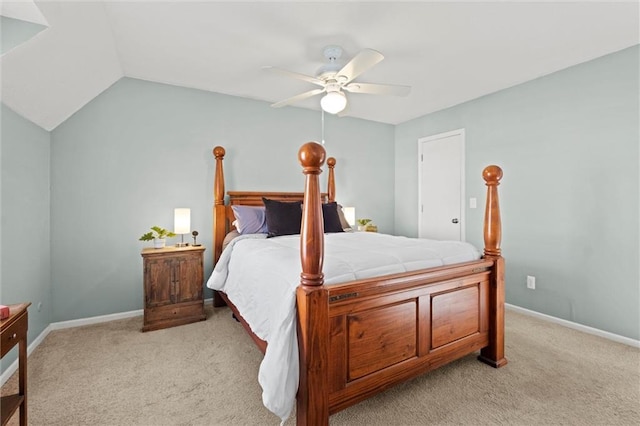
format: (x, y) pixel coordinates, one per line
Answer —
(283, 217)
(331, 218)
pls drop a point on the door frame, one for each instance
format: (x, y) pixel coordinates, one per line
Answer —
(421, 141)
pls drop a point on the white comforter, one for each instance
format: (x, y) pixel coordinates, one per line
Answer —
(262, 275)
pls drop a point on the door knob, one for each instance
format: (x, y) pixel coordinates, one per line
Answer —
(454, 220)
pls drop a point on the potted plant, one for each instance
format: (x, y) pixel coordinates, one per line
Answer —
(158, 235)
(362, 224)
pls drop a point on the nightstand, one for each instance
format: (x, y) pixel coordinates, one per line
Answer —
(13, 331)
(173, 286)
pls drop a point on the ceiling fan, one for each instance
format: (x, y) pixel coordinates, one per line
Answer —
(334, 79)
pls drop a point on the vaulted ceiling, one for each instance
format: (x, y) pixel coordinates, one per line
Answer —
(448, 52)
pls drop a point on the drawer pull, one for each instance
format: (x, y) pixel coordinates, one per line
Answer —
(13, 336)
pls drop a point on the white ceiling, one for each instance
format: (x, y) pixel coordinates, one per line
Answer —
(448, 52)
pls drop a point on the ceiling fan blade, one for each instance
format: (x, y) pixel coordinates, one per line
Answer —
(297, 98)
(378, 89)
(292, 74)
(359, 64)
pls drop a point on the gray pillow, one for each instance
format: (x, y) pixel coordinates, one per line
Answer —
(343, 220)
(230, 236)
(250, 219)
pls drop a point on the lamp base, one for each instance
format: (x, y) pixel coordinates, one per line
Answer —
(182, 243)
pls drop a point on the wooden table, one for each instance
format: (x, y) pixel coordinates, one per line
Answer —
(13, 331)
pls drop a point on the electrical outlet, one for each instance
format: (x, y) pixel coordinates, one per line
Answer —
(531, 282)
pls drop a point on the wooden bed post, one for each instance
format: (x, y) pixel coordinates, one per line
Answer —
(312, 298)
(494, 353)
(219, 214)
(331, 184)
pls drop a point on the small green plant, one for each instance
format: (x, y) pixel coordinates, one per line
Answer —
(363, 222)
(156, 233)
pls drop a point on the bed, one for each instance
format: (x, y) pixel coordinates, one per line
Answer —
(355, 339)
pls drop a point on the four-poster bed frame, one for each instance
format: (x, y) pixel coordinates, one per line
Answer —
(358, 338)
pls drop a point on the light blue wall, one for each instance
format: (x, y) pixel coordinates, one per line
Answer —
(123, 163)
(25, 269)
(568, 144)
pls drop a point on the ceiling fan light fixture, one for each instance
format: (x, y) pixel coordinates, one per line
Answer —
(333, 102)
(335, 79)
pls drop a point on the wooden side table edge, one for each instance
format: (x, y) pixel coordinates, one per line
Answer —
(18, 322)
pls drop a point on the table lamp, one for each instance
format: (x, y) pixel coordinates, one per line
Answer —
(182, 224)
(350, 215)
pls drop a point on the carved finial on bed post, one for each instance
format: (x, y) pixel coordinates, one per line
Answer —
(331, 190)
(492, 223)
(218, 189)
(311, 156)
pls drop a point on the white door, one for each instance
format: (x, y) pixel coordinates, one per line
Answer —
(441, 186)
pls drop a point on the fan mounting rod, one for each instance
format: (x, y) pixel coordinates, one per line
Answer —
(332, 53)
(328, 70)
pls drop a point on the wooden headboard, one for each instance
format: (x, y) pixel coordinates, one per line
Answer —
(222, 212)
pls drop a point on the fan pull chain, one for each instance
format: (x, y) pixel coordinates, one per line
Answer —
(322, 120)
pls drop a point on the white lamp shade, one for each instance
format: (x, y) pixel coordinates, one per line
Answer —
(182, 221)
(350, 215)
(333, 102)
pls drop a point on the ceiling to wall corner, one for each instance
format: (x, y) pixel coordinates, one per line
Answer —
(448, 52)
(24, 10)
(19, 21)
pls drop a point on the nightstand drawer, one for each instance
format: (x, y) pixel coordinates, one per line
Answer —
(13, 334)
(173, 312)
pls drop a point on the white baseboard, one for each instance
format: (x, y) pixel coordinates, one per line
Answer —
(575, 326)
(122, 315)
(95, 320)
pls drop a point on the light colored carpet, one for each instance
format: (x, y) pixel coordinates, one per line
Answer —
(206, 374)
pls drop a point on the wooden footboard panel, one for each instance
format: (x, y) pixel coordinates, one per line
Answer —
(377, 340)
